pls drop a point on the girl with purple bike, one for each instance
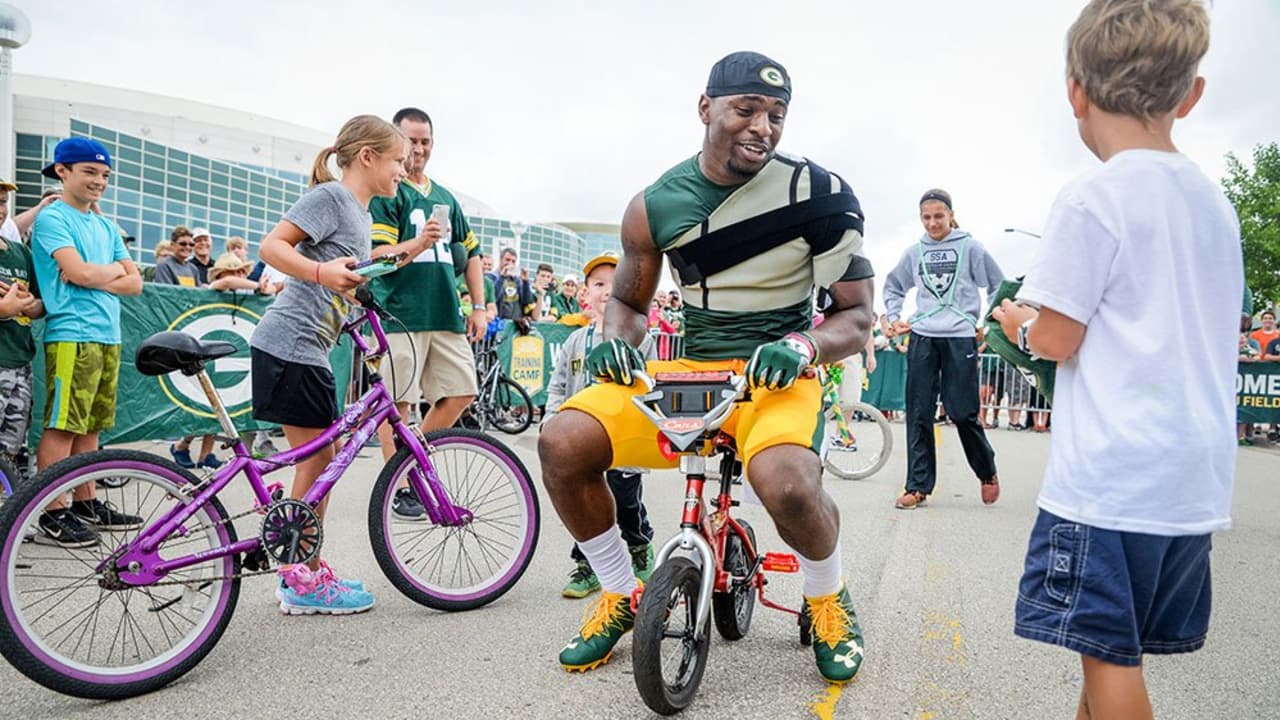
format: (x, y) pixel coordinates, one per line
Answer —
(137, 610)
(324, 233)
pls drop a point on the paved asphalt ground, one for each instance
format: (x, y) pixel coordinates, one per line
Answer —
(934, 589)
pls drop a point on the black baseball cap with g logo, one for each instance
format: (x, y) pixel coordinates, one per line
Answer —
(749, 73)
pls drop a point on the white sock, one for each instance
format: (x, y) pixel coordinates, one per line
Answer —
(608, 556)
(822, 577)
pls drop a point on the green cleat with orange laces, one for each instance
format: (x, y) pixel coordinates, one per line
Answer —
(837, 638)
(604, 623)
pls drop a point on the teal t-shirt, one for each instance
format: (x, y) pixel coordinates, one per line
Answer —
(74, 313)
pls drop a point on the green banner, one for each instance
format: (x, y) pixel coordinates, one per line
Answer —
(1258, 392)
(531, 359)
(886, 388)
(174, 405)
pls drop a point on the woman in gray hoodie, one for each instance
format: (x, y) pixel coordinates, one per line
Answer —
(946, 267)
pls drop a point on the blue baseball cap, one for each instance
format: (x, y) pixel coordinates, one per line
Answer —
(74, 150)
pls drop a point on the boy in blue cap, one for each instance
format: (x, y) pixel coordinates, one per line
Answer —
(81, 266)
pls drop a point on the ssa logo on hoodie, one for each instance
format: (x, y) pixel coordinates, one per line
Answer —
(938, 267)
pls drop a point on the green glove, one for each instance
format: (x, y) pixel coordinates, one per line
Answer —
(615, 360)
(777, 365)
(1040, 372)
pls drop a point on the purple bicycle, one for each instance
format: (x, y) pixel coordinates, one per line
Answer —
(146, 604)
(8, 476)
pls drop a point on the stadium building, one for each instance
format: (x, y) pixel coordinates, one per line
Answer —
(179, 162)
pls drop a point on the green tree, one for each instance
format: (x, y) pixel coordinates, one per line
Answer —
(1255, 192)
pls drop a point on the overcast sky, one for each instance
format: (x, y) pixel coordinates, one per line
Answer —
(560, 110)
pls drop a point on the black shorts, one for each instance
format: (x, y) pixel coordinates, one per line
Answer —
(292, 393)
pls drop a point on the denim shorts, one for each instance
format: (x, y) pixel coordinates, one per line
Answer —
(1114, 595)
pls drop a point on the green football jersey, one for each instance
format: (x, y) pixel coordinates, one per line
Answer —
(421, 294)
(17, 346)
(764, 297)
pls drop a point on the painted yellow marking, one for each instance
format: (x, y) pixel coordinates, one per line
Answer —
(927, 715)
(825, 706)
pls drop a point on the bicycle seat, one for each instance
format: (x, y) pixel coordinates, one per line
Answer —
(166, 352)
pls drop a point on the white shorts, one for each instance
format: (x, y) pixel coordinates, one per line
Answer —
(444, 366)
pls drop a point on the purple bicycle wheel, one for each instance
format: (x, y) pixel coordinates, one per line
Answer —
(464, 567)
(66, 625)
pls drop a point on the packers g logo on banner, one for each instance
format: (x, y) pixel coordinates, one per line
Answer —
(230, 375)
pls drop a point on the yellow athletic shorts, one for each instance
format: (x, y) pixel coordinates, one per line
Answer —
(781, 417)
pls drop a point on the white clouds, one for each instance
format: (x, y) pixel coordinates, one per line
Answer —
(563, 109)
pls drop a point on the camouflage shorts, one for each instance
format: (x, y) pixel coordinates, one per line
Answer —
(80, 390)
(15, 410)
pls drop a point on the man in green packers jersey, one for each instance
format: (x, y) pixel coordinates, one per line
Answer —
(749, 233)
(430, 355)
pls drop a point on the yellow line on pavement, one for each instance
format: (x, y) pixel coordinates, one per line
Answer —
(825, 706)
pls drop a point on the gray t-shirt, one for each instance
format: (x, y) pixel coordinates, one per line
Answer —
(305, 320)
(171, 271)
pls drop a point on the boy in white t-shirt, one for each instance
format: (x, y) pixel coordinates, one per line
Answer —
(1143, 454)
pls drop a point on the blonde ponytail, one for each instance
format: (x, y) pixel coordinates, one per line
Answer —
(320, 169)
(357, 133)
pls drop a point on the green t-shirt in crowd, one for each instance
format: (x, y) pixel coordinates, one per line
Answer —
(16, 344)
(422, 294)
(490, 295)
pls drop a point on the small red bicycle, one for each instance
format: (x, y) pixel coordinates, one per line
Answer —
(712, 568)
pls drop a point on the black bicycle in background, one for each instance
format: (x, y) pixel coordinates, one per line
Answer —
(501, 402)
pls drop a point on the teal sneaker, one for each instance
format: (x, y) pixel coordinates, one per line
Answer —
(308, 593)
(603, 625)
(837, 638)
(642, 561)
(582, 582)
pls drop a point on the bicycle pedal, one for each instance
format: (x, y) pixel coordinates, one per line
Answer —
(636, 595)
(780, 562)
(276, 492)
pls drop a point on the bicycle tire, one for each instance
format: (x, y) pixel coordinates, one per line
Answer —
(503, 406)
(451, 451)
(48, 665)
(732, 610)
(881, 457)
(675, 578)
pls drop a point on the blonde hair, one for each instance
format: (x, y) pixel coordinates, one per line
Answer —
(1138, 57)
(236, 242)
(356, 134)
(163, 246)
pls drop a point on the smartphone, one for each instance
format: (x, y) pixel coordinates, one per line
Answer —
(373, 267)
(440, 213)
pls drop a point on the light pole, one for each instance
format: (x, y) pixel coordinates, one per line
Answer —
(1024, 232)
(15, 31)
(517, 230)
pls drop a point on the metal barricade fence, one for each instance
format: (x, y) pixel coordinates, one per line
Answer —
(1002, 387)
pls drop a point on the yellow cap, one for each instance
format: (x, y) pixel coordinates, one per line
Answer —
(608, 258)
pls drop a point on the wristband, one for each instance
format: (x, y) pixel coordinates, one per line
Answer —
(477, 307)
(1023, 330)
(803, 343)
(317, 273)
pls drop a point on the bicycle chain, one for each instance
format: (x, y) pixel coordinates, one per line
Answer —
(236, 576)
